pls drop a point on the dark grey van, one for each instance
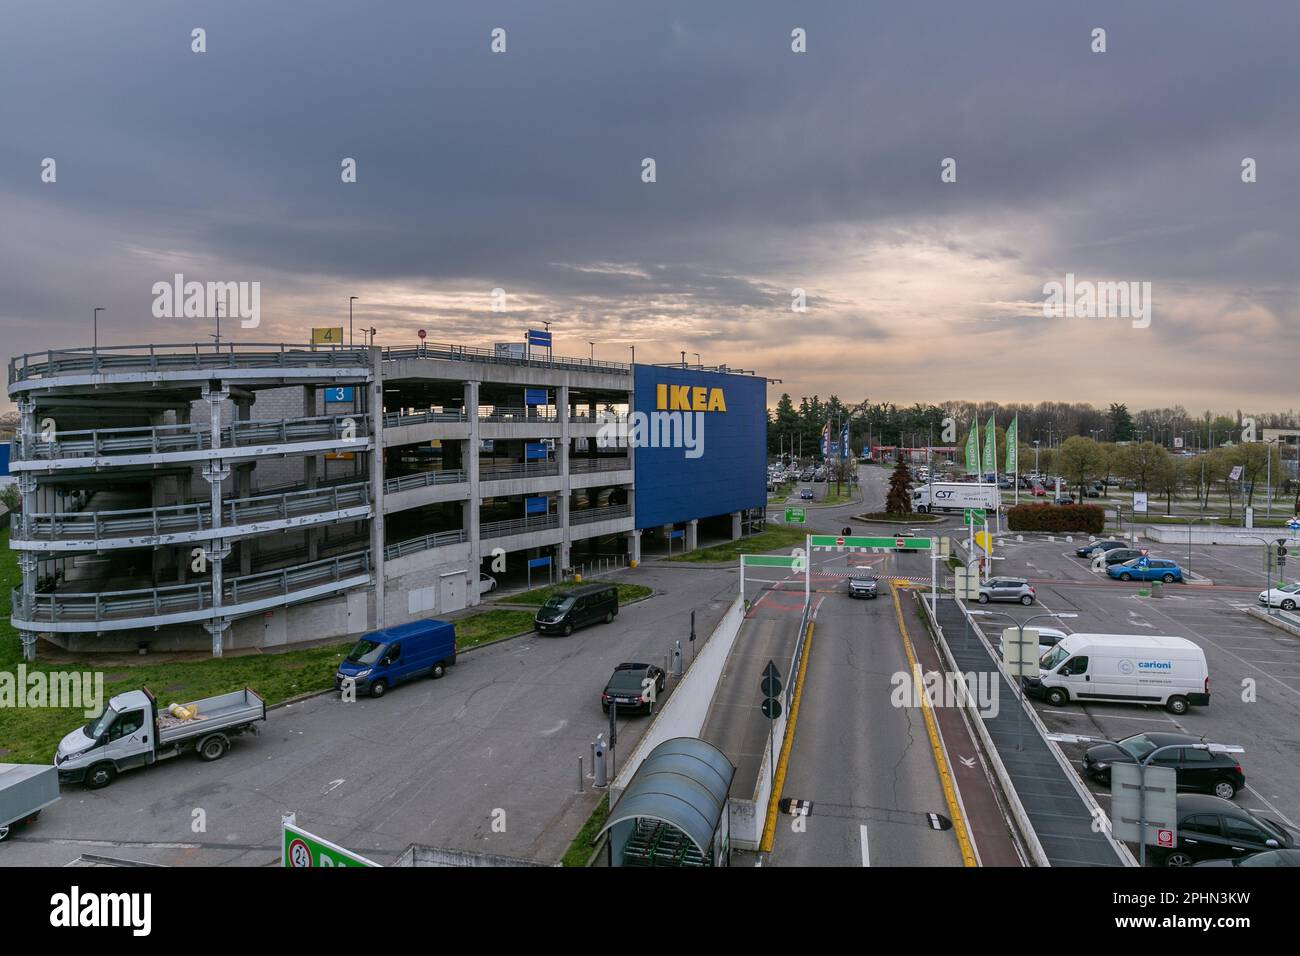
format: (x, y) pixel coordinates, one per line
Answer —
(575, 607)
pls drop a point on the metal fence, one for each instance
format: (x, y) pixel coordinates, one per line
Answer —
(180, 598)
(194, 516)
(394, 419)
(428, 542)
(588, 515)
(499, 529)
(423, 479)
(160, 439)
(612, 463)
(533, 469)
(469, 353)
(158, 358)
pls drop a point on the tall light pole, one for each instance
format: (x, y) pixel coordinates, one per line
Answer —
(593, 349)
(95, 320)
(351, 340)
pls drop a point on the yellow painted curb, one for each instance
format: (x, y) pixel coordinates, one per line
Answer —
(769, 827)
(940, 758)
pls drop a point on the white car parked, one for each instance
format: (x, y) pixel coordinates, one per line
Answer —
(1287, 597)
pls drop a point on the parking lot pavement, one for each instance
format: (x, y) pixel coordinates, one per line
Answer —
(431, 762)
(1254, 667)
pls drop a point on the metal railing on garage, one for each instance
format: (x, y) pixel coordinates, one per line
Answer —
(428, 542)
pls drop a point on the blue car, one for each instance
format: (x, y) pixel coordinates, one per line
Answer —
(1147, 569)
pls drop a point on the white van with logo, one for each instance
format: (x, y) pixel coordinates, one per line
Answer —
(1123, 668)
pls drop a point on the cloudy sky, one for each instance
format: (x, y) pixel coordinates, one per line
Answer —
(775, 170)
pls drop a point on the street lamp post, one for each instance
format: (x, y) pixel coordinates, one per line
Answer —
(351, 339)
(1190, 522)
(95, 320)
(1020, 687)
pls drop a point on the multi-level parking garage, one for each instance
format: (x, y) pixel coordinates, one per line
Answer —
(263, 495)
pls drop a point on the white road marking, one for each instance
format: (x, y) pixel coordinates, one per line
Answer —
(333, 785)
(1281, 816)
(866, 854)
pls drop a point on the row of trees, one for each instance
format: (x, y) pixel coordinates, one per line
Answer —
(1051, 423)
(1151, 468)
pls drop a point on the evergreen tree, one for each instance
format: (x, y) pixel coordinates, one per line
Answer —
(899, 500)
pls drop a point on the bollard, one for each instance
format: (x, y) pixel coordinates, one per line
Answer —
(677, 659)
(581, 784)
(599, 769)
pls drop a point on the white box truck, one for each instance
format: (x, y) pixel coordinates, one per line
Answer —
(1125, 669)
(955, 496)
(25, 790)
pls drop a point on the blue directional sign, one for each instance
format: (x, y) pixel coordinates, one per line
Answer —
(538, 337)
(536, 396)
(342, 394)
(1294, 524)
(534, 450)
(539, 562)
(535, 506)
(677, 534)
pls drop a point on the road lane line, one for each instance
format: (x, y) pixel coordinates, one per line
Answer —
(866, 852)
(932, 732)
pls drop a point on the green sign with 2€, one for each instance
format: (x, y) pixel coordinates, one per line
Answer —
(300, 849)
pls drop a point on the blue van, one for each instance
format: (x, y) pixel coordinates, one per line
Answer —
(383, 659)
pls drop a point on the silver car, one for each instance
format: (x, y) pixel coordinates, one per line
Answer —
(862, 584)
(1007, 589)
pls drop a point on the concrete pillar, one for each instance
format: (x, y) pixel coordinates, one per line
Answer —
(634, 546)
(735, 525)
(474, 506)
(216, 471)
(375, 405)
(566, 485)
(692, 534)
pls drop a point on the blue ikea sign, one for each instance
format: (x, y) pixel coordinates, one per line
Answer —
(701, 443)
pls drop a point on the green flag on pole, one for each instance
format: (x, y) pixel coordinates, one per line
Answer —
(1013, 447)
(990, 436)
(973, 448)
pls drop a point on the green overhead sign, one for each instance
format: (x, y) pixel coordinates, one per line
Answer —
(858, 541)
(299, 849)
(974, 516)
(773, 561)
(795, 515)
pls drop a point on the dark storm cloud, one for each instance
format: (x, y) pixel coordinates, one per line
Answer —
(775, 170)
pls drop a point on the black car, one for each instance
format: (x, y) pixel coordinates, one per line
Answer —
(1089, 550)
(1267, 858)
(1120, 555)
(1213, 829)
(628, 689)
(1198, 770)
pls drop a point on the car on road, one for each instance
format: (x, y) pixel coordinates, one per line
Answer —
(1063, 500)
(1267, 858)
(1198, 771)
(1147, 569)
(1094, 489)
(805, 494)
(1007, 589)
(819, 474)
(1038, 491)
(383, 659)
(862, 584)
(486, 583)
(571, 608)
(629, 687)
(1090, 550)
(1120, 555)
(1211, 828)
(1286, 597)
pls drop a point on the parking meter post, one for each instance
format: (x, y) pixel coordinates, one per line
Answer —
(581, 781)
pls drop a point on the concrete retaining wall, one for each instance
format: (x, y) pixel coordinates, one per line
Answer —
(687, 708)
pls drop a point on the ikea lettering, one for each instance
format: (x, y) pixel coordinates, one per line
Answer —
(687, 398)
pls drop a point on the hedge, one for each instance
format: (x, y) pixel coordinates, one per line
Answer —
(1089, 519)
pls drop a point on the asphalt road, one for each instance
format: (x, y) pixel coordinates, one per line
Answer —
(428, 763)
(1254, 667)
(866, 765)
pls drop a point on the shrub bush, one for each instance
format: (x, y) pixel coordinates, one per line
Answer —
(1088, 519)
